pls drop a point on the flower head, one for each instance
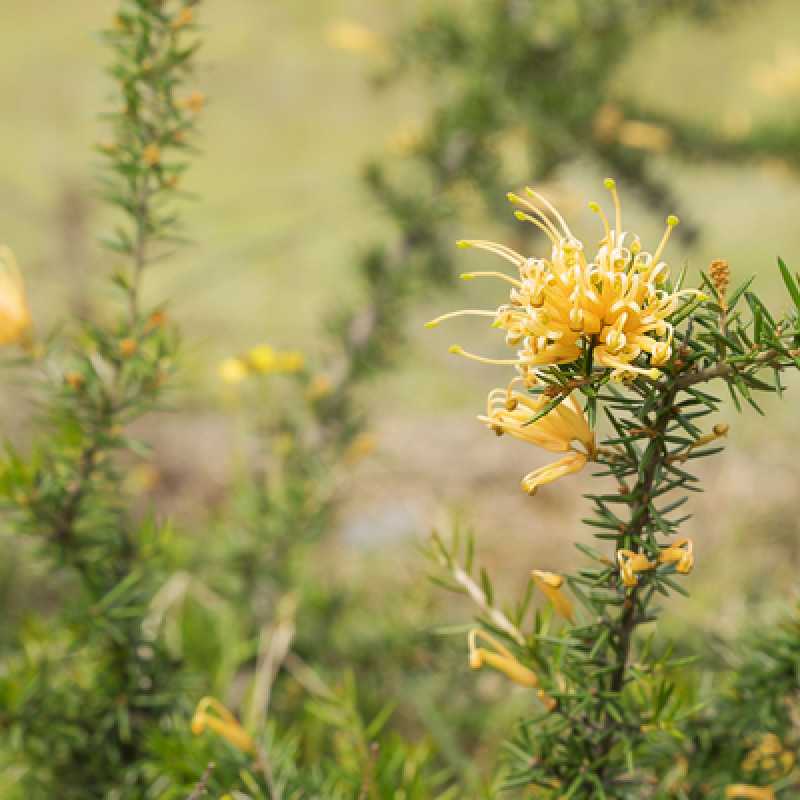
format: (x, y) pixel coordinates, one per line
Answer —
(15, 317)
(564, 429)
(613, 303)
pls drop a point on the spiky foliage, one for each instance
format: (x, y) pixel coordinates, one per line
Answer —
(606, 692)
(88, 685)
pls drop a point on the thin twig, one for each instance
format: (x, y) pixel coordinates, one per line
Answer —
(202, 785)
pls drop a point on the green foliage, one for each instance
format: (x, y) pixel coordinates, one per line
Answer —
(340, 689)
(610, 696)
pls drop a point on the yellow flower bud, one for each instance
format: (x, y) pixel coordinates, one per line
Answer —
(221, 722)
(15, 317)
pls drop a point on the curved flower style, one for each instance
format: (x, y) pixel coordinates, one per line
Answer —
(503, 660)
(15, 317)
(210, 713)
(613, 303)
(558, 431)
(550, 585)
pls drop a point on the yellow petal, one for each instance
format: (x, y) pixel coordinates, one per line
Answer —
(574, 462)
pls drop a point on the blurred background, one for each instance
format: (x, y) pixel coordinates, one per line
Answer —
(297, 105)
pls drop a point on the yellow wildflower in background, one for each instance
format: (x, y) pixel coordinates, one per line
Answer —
(559, 305)
(15, 316)
(233, 370)
(212, 714)
(558, 431)
(550, 584)
(290, 361)
(262, 358)
(354, 37)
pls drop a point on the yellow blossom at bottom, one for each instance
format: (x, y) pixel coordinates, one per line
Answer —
(222, 722)
(503, 660)
(290, 361)
(262, 358)
(748, 792)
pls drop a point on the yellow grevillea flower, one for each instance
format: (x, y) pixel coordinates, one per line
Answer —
(15, 316)
(503, 660)
(262, 358)
(748, 792)
(630, 564)
(678, 553)
(550, 584)
(558, 306)
(559, 431)
(222, 722)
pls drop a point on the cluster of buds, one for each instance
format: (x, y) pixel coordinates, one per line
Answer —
(720, 273)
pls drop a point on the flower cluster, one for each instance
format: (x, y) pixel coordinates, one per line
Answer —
(261, 360)
(614, 308)
(613, 304)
